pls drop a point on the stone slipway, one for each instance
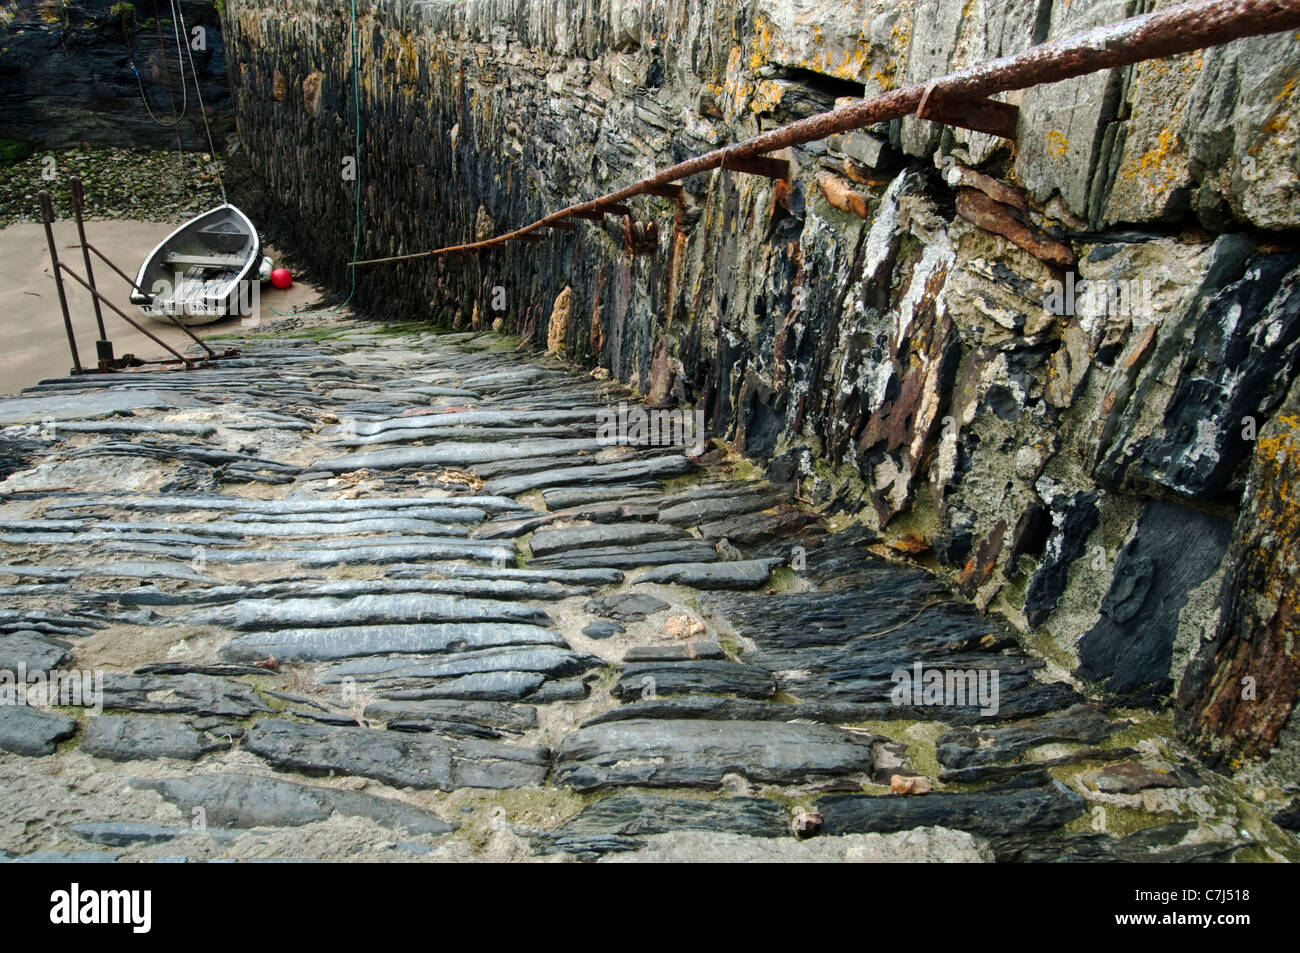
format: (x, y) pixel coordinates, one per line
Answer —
(511, 646)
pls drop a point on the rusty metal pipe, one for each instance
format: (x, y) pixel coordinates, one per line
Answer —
(127, 318)
(78, 205)
(1169, 32)
(130, 281)
(47, 217)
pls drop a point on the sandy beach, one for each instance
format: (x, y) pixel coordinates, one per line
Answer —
(33, 344)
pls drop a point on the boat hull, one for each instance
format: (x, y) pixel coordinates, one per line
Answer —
(203, 271)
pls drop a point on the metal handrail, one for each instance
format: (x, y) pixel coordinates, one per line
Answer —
(1169, 32)
(104, 346)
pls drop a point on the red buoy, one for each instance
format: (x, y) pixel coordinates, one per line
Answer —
(281, 278)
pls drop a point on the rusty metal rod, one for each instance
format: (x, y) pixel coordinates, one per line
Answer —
(47, 217)
(129, 281)
(78, 201)
(87, 246)
(127, 318)
(1168, 32)
(104, 258)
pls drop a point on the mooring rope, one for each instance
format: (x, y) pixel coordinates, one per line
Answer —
(162, 53)
(212, 150)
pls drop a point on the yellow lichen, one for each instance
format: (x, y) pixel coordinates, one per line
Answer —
(1057, 144)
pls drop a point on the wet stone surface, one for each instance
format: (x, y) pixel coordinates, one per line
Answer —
(376, 586)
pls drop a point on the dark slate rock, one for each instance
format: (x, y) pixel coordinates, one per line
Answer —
(705, 677)
(401, 609)
(187, 694)
(131, 738)
(560, 690)
(546, 660)
(1049, 698)
(1029, 537)
(491, 764)
(487, 686)
(632, 471)
(125, 834)
(218, 727)
(219, 595)
(1289, 817)
(614, 823)
(980, 773)
(574, 577)
(449, 729)
(1159, 844)
(453, 453)
(953, 548)
(326, 717)
(620, 557)
(742, 574)
(625, 606)
(780, 522)
(197, 668)
(1174, 549)
(602, 629)
(396, 758)
(544, 542)
(699, 753)
(714, 508)
(31, 731)
(87, 405)
(489, 714)
(676, 651)
(246, 800)
(1233, 368)
(316, 645)
(717, 708)
(970, 746)
(558, 499)
(991, 813)
(33, 651)
(846, 645)
(1073, 518)
(66, 857)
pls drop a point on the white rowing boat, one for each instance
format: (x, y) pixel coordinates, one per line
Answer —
(203, 271)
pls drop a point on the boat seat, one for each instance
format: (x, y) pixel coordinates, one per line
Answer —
(205, 261)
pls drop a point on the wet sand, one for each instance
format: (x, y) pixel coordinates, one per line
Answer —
(33, 343)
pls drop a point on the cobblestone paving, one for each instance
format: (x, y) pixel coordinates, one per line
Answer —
(373, 593)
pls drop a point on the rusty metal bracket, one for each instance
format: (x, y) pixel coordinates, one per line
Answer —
(758, 165)
(640, 238)
(598, 214)
(674, 192)
(982, 115)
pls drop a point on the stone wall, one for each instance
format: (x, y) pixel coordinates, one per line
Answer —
(66, 79)
(899, 328)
